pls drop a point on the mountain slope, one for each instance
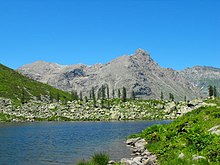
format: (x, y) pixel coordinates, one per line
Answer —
(138, 72)
(17, 87)
(201, 77)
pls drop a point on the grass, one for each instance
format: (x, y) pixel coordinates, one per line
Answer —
(97, 159)
(17, 87)
(188, 135)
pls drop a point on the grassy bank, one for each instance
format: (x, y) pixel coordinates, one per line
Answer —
(187, 137)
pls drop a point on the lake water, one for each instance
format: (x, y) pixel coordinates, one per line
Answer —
(51, 143)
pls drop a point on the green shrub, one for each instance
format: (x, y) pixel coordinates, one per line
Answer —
(100, 159)
(97, 159)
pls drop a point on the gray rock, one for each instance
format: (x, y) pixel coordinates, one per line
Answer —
(195, 157)
(132, 141)
(137, 159)
(181, 155)
(126, 161)
(148, 162)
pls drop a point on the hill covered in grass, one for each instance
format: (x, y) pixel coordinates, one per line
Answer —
(19, 88)
(193, 138)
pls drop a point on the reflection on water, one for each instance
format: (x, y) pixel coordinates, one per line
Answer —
(65, 142)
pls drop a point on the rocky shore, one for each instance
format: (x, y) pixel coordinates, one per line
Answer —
(140, 154)
(78, 110)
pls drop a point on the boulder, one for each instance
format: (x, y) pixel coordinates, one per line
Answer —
(138, 160)
(215, 130)
(132, 141)
(195, 157)
(181, 155)
(140, 145)
(125, 161)
(148, 162)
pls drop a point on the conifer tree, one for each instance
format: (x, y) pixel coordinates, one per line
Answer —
(80, 96)
(132, 95)
(107, 90)
(171, 97)
(58, 97)
(23, 96)
(113, 93)
(93, 96)
(74, 95)
(124, 94)
(214, 91)
(86, 99)
(161, 96)
(211, 91)
(119, 93)
(103, 92)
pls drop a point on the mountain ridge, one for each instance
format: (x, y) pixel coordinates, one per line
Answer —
(138, 72)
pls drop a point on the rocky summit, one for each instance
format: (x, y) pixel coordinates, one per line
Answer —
(137, 72)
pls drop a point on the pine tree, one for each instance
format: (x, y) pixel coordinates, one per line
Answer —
(119, 93)
(93, 96)
(107, 90)
(80, 96)
(124, 94)
(74, 95)
(51, 97)
(65, 100)
(211, 91)
(113, 93)
(90, 94)
(171, 97)
(132, 95)
(185, 99)
(102, 95)
(86, 99)
(23, 96)
(161, 96)
(103, 92)
(214, 91)
(58, 97)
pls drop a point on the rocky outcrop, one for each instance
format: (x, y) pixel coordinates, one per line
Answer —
(140, 156)
(137, 72)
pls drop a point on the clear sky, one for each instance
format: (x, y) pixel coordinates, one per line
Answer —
(177, 33)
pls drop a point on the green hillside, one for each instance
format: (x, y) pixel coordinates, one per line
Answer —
(188, 135)
(21, 89)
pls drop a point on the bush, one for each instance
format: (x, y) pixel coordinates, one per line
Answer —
(100, 159)
(97, 159)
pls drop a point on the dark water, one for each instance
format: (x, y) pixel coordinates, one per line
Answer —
(64, 142)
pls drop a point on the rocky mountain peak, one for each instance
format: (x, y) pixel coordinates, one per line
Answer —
(141, 52)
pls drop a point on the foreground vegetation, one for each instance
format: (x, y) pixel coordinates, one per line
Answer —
(97, 159)
(187, 140)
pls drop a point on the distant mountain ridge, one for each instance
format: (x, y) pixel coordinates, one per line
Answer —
(137, 72)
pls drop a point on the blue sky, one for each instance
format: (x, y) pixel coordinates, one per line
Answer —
(177, 33)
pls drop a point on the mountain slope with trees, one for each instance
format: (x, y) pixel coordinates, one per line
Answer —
(21, 89)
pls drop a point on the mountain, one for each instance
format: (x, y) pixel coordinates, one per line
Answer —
(15, 86)
(137, 72)
(201, 77)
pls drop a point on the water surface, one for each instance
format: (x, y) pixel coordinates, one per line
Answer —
(51, 143)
